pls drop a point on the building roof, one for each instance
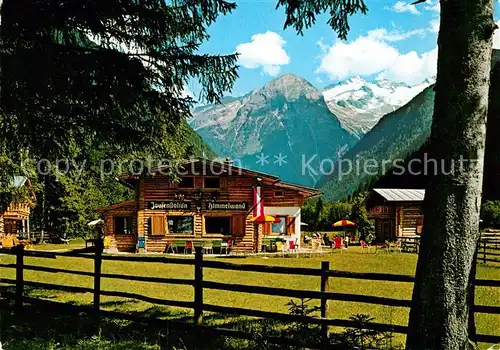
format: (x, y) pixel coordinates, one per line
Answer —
(18, 181)
(401, 195)
(227, 166)
(129, 203)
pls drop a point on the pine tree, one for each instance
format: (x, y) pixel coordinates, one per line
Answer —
(88, 80)
(113, 72)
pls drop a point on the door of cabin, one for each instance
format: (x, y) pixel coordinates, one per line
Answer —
(384, 229)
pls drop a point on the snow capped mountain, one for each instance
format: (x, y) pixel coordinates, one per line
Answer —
(288, 117)
(359, 104)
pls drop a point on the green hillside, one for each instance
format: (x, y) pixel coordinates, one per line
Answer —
(191, 143)
(491, 189)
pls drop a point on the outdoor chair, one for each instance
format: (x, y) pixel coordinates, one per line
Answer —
(171, 247)
(397, 246)
(230, 245)
(338, 243)
(188, 246)
(280, 247)
(8, 242)
(224, 247)
(364, 246)
(208, 247)
(393, 246)
(179, 244)
(217, 246)
(316, 245)
(107, 242)
(267, 245)
(292, 247)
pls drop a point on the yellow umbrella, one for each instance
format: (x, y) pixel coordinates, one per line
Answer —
(344, 223)
(262, 219)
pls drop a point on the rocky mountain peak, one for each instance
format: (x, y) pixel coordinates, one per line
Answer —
(291, 87)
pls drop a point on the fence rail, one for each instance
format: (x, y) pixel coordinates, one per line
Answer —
(199, 285)
(489, 248)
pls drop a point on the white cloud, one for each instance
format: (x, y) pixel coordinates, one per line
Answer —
(265, 51)
(373, 55)
(433, 6)
(412, 68)
(496, 38)
(434, 26)
(402, 6)
(393, 35)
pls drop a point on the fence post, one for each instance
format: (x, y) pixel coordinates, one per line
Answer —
(325, 267)
(19, 276)
(99, 247)
(198, 286)
(484, 250)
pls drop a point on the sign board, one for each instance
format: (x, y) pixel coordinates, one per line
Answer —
(227, 206)
(172, 205)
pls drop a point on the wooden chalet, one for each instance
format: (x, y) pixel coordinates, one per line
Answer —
(210, 201)
(397, 212)
(17, 216)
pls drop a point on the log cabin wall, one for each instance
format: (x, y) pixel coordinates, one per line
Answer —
(396, 219)
(16, 212)
(2, 230)
(121, 241)
(233, 189)
(160, 201)
(409, 219)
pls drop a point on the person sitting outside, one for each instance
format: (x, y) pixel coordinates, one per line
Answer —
(327, 241)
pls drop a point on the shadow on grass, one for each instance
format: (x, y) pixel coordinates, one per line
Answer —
(49, 325)
(45, 324)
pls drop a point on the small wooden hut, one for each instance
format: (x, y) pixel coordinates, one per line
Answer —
(16, 218)
(397, 212)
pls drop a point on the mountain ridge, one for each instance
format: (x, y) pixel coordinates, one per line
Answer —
(280, 119)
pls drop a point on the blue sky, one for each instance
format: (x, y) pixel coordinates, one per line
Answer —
(394, 40)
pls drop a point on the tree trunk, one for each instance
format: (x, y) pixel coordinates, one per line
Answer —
(42, 233)
(440, 311)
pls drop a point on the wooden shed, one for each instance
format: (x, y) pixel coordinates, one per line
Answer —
(211, 200)
(16, 218)
(397, 212)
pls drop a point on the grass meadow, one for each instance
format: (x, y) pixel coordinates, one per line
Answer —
(351, 260)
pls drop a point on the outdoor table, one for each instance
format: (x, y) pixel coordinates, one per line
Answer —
(412, 241)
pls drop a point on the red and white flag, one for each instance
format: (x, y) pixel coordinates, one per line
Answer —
(258, 202)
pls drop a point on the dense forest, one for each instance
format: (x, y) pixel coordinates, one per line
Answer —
(83, 84)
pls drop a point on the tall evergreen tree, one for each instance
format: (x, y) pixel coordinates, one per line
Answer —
(113, 72)
(88, 80)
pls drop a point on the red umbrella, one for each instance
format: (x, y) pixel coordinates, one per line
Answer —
(344, 223)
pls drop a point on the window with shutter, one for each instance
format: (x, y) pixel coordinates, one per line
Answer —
(279, 227)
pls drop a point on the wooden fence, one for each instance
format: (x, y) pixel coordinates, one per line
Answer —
(199, 285)
(489, 248)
